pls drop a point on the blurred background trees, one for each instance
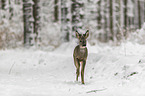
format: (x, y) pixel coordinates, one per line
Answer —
(52, 22)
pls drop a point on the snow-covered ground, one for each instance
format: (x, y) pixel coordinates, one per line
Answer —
(110, 71)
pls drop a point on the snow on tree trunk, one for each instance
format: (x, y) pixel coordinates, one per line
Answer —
(106, 17)
(5, 9)
(142, 12)
(65, 20)
(115, 20)
(29, 36)
(108, 20)
(99, 17)
(116, 17)
(103, 16)
(120, 19)
(125, 17)
(11, 4)
(77, 14)
(130, 14)
(36, 16)
(0, 4)
(111, 20)
(136, 14)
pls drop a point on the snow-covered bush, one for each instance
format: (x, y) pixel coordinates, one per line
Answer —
(11, 25)
(49, 30)
(138, 36)
(9, 37)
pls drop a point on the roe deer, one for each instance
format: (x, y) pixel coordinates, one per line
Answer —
(80, 54)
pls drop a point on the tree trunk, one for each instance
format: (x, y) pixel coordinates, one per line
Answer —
(106, 15)
(65, 20)
(29, 37)
(125, 14)
(36, 19)
(142, 12)
(99, 17)
(56, 11)
(136, 15)
(10, 9)
(3, 4)
(139, 14)
(77, 15)
(111, 20)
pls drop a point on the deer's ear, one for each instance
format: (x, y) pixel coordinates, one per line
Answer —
(77, 34)
(86, 34)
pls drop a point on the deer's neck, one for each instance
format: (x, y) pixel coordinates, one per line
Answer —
(82, 47)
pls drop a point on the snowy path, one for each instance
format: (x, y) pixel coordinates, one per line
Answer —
(41, 73)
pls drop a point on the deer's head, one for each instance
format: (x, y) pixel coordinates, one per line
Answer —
(82, 38)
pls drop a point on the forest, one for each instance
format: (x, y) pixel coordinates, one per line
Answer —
(72, 47)
(53, 22)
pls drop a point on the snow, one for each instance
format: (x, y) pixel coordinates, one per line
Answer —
(33, 72)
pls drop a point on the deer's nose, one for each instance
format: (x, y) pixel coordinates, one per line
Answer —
(84, 44)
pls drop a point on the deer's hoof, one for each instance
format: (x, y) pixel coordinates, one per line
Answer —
(83, 83)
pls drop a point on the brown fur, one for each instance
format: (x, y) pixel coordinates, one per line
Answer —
(80, 55)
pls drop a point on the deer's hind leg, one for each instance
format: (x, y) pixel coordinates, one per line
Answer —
(77, 64)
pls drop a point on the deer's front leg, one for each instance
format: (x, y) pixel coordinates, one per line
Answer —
(77, 64)
(82, 71)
